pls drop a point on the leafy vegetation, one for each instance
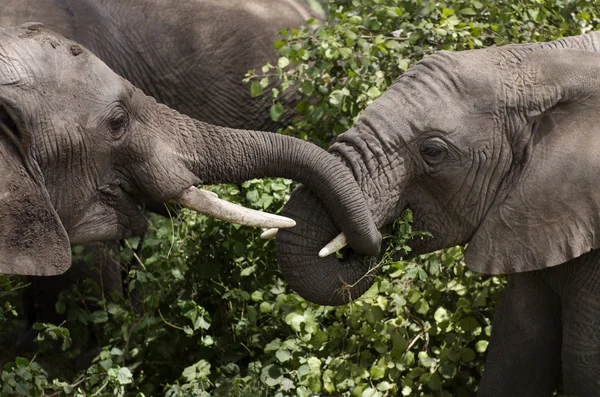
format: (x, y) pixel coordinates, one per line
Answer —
(206, 312)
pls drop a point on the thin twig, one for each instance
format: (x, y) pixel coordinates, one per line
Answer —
(168, 323)
(412, 342)
(137, 258)
(74, 385)
(172, 231)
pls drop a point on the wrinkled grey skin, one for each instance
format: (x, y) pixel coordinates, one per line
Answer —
(81, 147)
(497, 148)
(190, 55)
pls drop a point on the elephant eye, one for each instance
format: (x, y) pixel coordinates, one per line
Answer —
(117, 122)
(434, 151)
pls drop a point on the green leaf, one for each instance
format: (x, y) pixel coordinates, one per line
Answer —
(295, 320)
(377, 372)
(283, 62)
(425, 360)
(283, 355)
(533, 13)
(345, 52)
(336, 97)
(266, 307)
(370, 392)
(271, 375)
(125, 376)
(448, 370)
(255, 89)
(275, 344)
(434, 382)
(374, 315)
(199, 370)
(441, 315)
(403, 64)
(391, 44)
(481, 346)
(373, 92)
(467, 355)
(385, 386)
(20, 361)
(469, 324)
(468, 11)
(276, 111)
(248, 271)
(99, 317)
(422, 307)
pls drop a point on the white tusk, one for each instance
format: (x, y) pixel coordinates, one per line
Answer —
(334, 245)
(208, 203)
(269, 234)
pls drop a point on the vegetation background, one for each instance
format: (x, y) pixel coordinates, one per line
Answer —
(211, 315)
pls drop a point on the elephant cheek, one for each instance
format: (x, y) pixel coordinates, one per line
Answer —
(112, 216)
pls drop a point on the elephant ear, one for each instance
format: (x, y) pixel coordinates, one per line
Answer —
(551, 211)
(33, 240)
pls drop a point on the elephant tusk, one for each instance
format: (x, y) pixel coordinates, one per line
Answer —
(269, 234)
(208, 203)
(334, 245)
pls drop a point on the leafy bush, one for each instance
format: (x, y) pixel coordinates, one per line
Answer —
(207, 312)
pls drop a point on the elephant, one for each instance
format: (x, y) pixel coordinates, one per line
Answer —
(191, 56)
(496, 148)
(82, 148)
(182, 61)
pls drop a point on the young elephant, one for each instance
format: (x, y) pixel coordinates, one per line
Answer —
(498, 148)
(80, 148)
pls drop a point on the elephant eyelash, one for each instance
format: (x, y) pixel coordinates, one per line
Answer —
(118, 121)
(434, 151)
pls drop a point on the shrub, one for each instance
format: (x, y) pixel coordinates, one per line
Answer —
(208, 312)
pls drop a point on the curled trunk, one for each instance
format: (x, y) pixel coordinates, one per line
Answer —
(327, 281)
(232, 156)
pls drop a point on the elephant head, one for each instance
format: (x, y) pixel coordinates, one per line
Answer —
(81, 149)
(498, 148)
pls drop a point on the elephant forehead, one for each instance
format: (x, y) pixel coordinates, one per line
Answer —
(443, 93)
(32, 56)
(467, 78)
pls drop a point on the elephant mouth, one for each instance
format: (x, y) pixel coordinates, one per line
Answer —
(110, 189)
(110, 214)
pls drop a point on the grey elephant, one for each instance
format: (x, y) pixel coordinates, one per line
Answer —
(81, 148)
(190, 55)
(497, 148)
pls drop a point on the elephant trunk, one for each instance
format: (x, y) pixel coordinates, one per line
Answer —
(326, 281)
(333, 280)
(226, 155)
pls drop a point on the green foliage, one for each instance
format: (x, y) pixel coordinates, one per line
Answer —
(206, 312)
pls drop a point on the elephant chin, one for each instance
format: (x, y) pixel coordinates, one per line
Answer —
(326, 281)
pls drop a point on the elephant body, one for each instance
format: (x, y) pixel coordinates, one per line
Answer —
(546, 328)
(190, 55)
(497, 148)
